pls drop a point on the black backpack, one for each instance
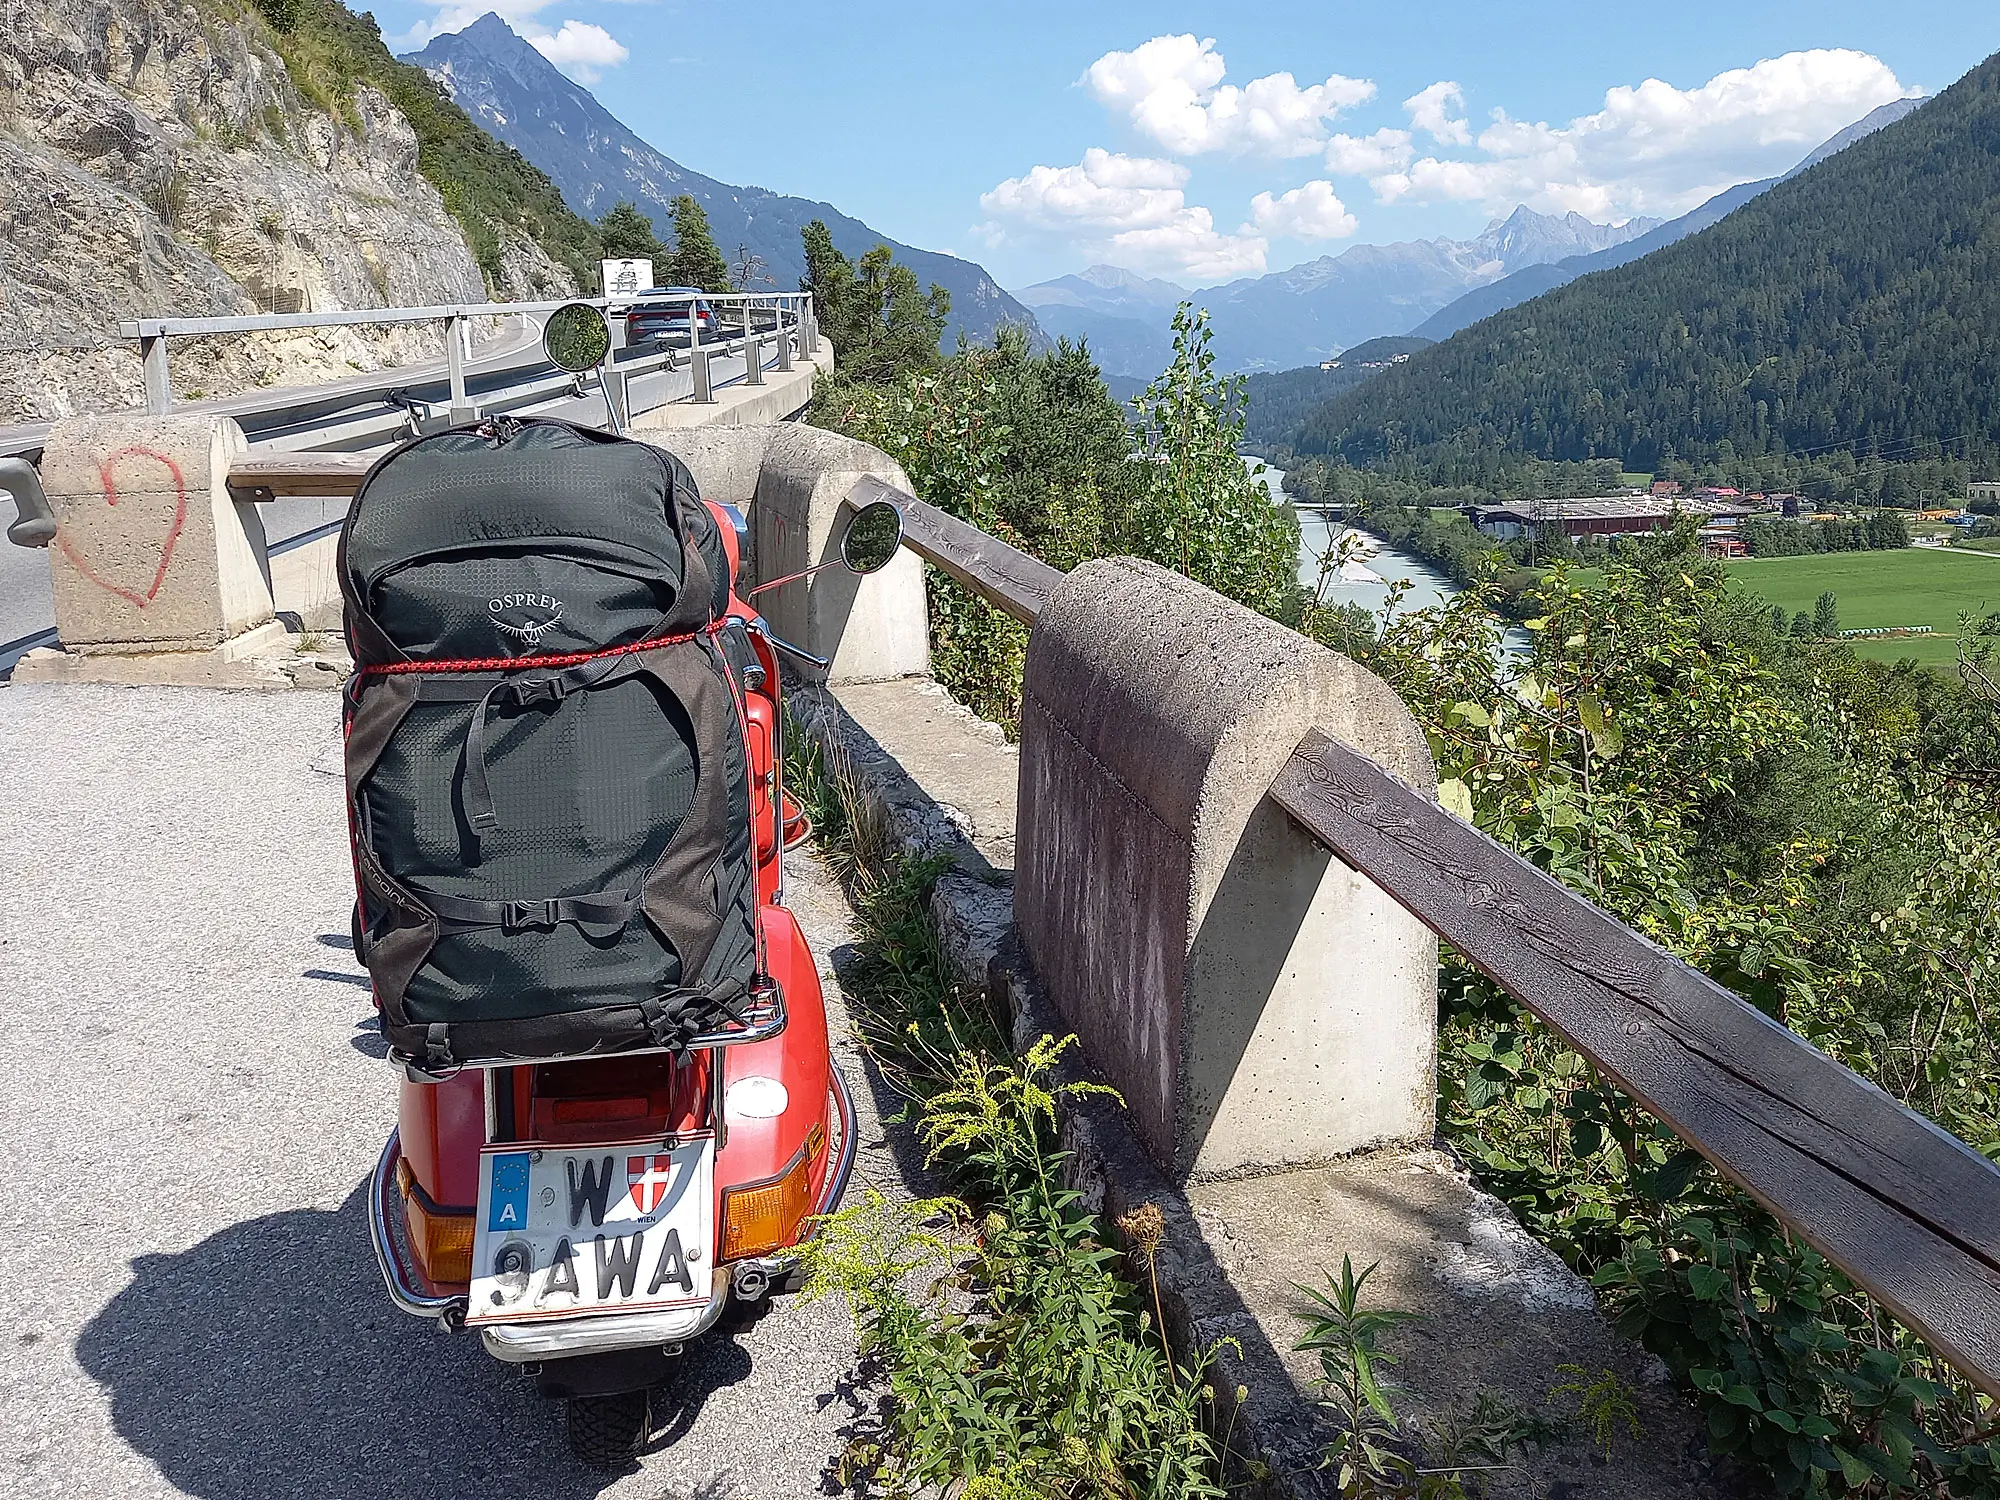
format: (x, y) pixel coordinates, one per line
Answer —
(547, 780)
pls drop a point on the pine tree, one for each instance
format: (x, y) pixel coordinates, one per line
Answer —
(628, 235)
(829, 279)
(880, 321)
(696, 261)
(1826, 615)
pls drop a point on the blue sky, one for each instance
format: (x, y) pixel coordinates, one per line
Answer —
(1203, 141)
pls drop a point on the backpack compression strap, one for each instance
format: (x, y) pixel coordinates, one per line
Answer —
(490, 687)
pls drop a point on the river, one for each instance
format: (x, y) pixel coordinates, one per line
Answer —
(1366, 580)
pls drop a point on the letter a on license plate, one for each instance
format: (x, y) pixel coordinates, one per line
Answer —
(568, 1231)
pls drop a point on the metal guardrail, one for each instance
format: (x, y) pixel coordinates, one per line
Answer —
(369, 409)
(153, 334)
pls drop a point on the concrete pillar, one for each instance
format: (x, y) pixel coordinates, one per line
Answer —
(1258, 1003)
(792, 481)
(150, 552)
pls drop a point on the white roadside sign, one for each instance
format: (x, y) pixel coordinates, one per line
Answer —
(626, 278)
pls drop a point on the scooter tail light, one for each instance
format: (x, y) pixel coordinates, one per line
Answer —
(443, 1240)
(762, 1217)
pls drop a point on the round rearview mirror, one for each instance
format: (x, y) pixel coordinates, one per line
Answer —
(874, 532)
(576, 337)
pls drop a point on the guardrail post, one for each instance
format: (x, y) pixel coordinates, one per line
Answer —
(462, 409)
(153, 366)
(703, 395)
(1258, 1003)
(784, 334)
(753, 348)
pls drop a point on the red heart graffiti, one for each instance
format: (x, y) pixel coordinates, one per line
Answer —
(109, 483)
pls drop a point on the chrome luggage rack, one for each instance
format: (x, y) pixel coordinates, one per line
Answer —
(764, 1017)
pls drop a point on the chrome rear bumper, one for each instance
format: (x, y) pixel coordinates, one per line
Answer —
(560, 1338)
(408, 1288)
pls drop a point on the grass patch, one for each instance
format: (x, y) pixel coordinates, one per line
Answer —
(1914, 586)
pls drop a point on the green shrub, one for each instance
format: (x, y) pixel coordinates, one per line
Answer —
(1802, 826)
(1033, 449)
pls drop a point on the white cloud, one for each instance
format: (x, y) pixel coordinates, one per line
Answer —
(1368, 155)
(1171, 89)
(579, 48)
(1654, 148)
(1310, 212)
(1431, 112)
(1128, 209)
(1106, 190)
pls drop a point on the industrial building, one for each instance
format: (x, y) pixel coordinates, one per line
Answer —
(1603, 515)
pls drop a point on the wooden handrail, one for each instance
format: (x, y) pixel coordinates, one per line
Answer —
(264, 476)
(1906, 1210)
(1003, 575)
(998, 573)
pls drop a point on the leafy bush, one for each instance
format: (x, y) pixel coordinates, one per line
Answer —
(1800, 825)
(1032, 448)
(1020, 1361)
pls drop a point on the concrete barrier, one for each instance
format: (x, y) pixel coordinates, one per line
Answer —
(151, 554)
(1259, 1004)
(792, 481)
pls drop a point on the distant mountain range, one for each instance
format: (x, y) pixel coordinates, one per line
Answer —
(1509, 291)
(1311, 311)
(524, 100)
(1841, 318)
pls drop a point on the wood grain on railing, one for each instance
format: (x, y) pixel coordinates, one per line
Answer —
(1908, 1211)
(262, 476)
(998, 573)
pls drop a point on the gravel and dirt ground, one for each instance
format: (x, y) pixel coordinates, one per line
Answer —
(195, 1095)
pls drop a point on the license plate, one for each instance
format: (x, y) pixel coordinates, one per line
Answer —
(570, 1231)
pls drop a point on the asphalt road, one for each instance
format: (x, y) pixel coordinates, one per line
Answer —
(195, 1097)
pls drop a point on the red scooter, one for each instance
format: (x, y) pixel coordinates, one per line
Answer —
(589, 1217)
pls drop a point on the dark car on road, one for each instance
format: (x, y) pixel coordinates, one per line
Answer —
(658, 321)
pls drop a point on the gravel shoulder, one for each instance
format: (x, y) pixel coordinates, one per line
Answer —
(196, 1097)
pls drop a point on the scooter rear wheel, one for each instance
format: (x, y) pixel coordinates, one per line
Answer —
(607, 1432)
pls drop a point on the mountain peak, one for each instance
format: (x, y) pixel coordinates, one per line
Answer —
(491, 40)
(505, 83)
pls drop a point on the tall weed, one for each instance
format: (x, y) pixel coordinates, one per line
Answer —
(1020, 1360)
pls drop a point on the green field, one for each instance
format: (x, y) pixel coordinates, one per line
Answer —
(1918, 586)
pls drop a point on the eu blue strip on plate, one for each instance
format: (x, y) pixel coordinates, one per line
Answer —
(508, 1202)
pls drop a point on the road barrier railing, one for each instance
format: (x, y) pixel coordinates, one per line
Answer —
(1907, 1211)
(371, 408)
(787, 316)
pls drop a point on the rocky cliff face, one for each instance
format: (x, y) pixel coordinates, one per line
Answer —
(156, 160)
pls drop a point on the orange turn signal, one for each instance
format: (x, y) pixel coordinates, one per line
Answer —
(442, 1237)
(765, 1216)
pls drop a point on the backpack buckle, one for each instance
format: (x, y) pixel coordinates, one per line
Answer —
(519, 916)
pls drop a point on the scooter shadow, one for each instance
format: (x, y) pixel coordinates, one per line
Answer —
(267, 1360)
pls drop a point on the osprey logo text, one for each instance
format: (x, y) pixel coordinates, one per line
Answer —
(525, 617)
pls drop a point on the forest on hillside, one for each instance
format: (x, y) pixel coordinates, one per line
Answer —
(1275, 402)
(1852, 311)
